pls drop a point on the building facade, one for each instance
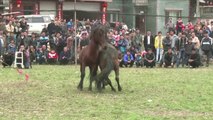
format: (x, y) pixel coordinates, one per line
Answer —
(62, 8)
(131, 12)
(143, 14)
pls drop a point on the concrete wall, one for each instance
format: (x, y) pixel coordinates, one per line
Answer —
(126, 11)
(156, 13)
(151, 18)
(116, 8)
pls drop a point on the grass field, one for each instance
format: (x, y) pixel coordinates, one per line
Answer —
(148, 94)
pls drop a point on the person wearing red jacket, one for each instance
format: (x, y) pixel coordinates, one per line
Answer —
(52, 57)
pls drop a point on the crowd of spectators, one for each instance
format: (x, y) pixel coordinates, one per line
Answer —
(183, 44)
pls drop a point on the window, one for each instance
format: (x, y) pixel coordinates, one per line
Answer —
(28, 10)
(207, 10)
(174, 14)
(37, 20)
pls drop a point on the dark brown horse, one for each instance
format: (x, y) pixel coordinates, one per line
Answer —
(108, 61)
(90, 54)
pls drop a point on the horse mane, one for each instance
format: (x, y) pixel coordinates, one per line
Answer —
(99, 31)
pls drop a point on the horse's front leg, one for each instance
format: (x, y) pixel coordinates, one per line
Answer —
(82, 69)
(117, 77)
(93, 73)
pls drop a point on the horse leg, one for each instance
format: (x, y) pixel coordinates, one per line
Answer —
(110, 84)
(93, 73)
(117, 77)
(82, 69)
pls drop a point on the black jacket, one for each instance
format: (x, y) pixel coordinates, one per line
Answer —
(151, 45)
(51, 28)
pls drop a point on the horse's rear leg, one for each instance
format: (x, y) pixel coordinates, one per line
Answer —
(80, 85)
(110, 84)
(117, 77)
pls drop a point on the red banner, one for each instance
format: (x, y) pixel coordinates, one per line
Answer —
(104, 9)
(36, 9)
(10, 7)
(60, 11)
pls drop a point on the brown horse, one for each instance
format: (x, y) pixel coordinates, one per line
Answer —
(90, 54)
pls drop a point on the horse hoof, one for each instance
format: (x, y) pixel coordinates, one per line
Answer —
(119, 89)
(80, 88)
(90, 89)
(113, 90)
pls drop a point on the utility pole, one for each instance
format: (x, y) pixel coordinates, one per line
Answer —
(197, 8)
(76, 47)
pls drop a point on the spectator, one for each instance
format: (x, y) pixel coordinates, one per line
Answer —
(168, 58)
(122, 43)
(149, 59)
(64, 56)
(195, 41)
(2, 26)
(63, 26)
(200, 35)
(149, 41)
(70, 25)
(60, 43)
(174, 40)
(34, 41)
(116, 37)
(10, 31)
(179, 25)
(139, 59)
(42, 55)
(137, 41)
(23, 24)
(12, 47)
(51, 28)
(52, 57)
(159, 46)
(188, 50)
(32, 51)
(84, 41)
(88, 25)
(181, 48)
(23, 40)
(170, 25)
(190, 25)
(206, 46)
(44, 39)
(167, 42)
(44, 29)
(128, 59)
(194, 59)
(111, 39)
(17, 31)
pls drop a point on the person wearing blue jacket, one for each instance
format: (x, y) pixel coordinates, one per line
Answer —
(128, 59)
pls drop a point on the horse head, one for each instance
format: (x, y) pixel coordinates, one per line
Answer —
(99, 35)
